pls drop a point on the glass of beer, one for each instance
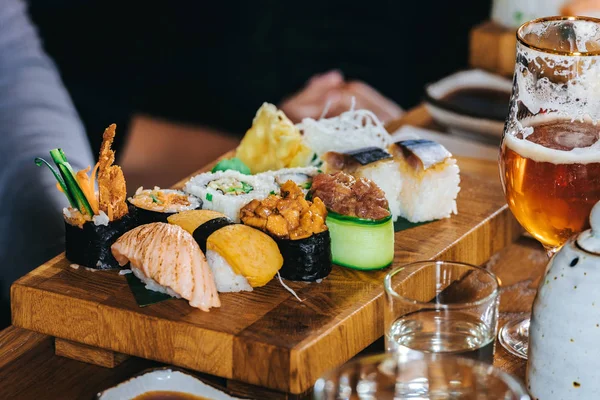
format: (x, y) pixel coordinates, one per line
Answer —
(550, 151)
(442, 308)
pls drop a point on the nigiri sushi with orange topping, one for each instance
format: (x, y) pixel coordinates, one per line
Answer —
(167, 259)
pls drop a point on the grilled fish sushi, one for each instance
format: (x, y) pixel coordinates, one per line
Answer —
(168, 259)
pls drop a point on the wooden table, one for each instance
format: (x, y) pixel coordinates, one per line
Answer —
(30, 370)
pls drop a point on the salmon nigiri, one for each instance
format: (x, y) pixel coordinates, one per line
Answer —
(168, 259)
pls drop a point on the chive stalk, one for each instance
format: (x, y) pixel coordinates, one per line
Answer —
(67, 181)
(39, 162)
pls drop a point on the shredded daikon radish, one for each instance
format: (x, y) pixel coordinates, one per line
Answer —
(352, 130)
(289, 289)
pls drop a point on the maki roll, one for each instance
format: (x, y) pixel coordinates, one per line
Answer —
(301, 176)
(228, 191)
(240, 257)
(298, 227)
(155, 205)
(362, 231)
(94, 220)
(431, 180)
(372, 163)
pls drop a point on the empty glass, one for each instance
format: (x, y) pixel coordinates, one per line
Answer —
(441, 307)
(420, 377)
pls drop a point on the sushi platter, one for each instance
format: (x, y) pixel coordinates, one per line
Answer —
(269, 261)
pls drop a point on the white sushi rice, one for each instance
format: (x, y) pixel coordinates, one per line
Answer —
(429, 194)
(151, 284)
(225, 279)
(101, 219)
(387, 176)
(229, 204)
(300, 175)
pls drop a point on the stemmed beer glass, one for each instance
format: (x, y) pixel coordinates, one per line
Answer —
(550, 151)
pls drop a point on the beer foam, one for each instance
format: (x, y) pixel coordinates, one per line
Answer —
(565, 85)
(575, 98)
(584, 33)
(540, 153)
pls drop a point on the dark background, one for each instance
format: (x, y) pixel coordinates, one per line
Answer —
(214, 63)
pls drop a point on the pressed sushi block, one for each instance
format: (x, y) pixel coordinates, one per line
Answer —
(563, 361)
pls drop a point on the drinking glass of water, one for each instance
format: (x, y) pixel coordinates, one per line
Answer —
(443, 308)
(425, 377)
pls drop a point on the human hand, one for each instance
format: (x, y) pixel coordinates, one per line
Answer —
(330, 91)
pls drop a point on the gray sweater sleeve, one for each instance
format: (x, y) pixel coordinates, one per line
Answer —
(36, 115)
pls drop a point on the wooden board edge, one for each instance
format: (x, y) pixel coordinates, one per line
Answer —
(32, 308)
(251, 358)
(484, 240)
(314, 357)
(179, 343)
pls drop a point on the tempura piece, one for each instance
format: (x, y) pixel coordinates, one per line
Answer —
(111, 182)
(273, 142)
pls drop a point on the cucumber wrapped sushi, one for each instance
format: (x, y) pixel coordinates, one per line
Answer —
(298, 227)
(155, 205)
(228, 191)
(240, 257)
(359, 220)
(374, 164)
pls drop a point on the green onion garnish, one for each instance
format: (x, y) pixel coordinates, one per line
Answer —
(155, 199)
(67, 181)
(39, 162)
(246, 188)
(209, 196)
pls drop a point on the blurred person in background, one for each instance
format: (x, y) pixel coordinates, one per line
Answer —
(36, 115)
(210, 65)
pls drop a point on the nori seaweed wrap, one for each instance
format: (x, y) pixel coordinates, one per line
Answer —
(306, 259)
(89, 245)
(95, 218)
(298, 227)
(156, 205)
(202, 232)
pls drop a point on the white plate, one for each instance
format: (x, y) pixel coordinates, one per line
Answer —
(457, 121)
(162, 380)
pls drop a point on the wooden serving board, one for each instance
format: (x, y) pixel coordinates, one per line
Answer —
(265, 338)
